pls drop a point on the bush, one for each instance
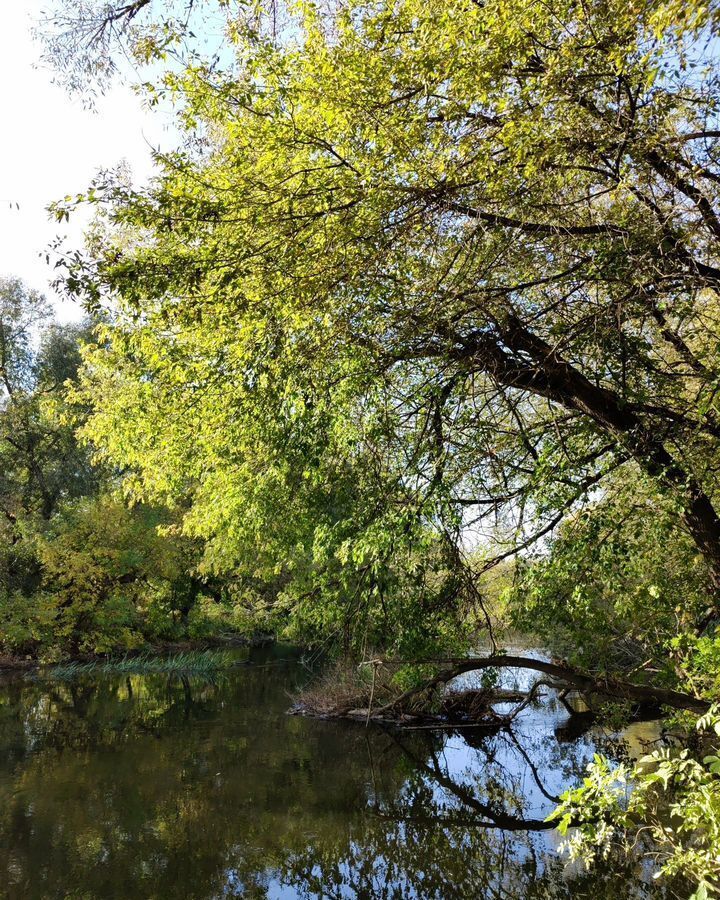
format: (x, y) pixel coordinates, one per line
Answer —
(674, 801)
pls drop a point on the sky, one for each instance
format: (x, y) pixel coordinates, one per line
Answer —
(50, 146)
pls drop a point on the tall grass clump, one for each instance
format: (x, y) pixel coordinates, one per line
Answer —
(191, 662)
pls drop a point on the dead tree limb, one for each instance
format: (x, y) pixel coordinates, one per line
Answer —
(567, 676)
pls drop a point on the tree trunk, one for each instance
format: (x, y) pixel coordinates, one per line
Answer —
(549, 375)
(612, 687)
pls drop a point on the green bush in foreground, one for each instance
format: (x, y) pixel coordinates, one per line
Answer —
(670, 798)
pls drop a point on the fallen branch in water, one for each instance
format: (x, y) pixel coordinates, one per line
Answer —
(349, 691)
(343, 694)
(569, 677)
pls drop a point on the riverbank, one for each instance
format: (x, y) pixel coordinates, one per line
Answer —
(10, 663)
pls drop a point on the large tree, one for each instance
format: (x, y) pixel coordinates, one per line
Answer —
(422, 267)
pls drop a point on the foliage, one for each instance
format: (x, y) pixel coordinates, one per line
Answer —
(114, 579)
(348, 332)
(699, 659)
(674, 800)
(79, 570)
(621, 586)
(428, 283)
(84, 38)
(40, 459)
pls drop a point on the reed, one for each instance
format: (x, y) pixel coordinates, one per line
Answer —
(191, 662)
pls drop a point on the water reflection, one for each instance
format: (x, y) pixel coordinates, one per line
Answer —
(153, 787)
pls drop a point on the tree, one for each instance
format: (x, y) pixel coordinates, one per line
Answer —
(90, 42)
(40, 460)
(113, 579)
(463, 256)
(79, 571)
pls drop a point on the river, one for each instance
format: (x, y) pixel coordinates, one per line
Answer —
(166, 787)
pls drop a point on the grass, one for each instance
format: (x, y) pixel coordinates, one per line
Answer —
(191, 662)
(345, 685)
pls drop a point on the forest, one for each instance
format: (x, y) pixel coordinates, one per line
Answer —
(409, 347)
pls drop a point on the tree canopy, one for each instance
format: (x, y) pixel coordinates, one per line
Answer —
(79, 570)
(424, 279)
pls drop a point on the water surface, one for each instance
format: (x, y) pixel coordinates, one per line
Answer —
(167, 787)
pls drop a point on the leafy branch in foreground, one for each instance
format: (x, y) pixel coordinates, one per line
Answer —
(670, 800)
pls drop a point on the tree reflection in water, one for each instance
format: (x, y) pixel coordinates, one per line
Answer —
(155, 787)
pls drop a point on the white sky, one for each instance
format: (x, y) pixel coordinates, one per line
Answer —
(51, 146)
